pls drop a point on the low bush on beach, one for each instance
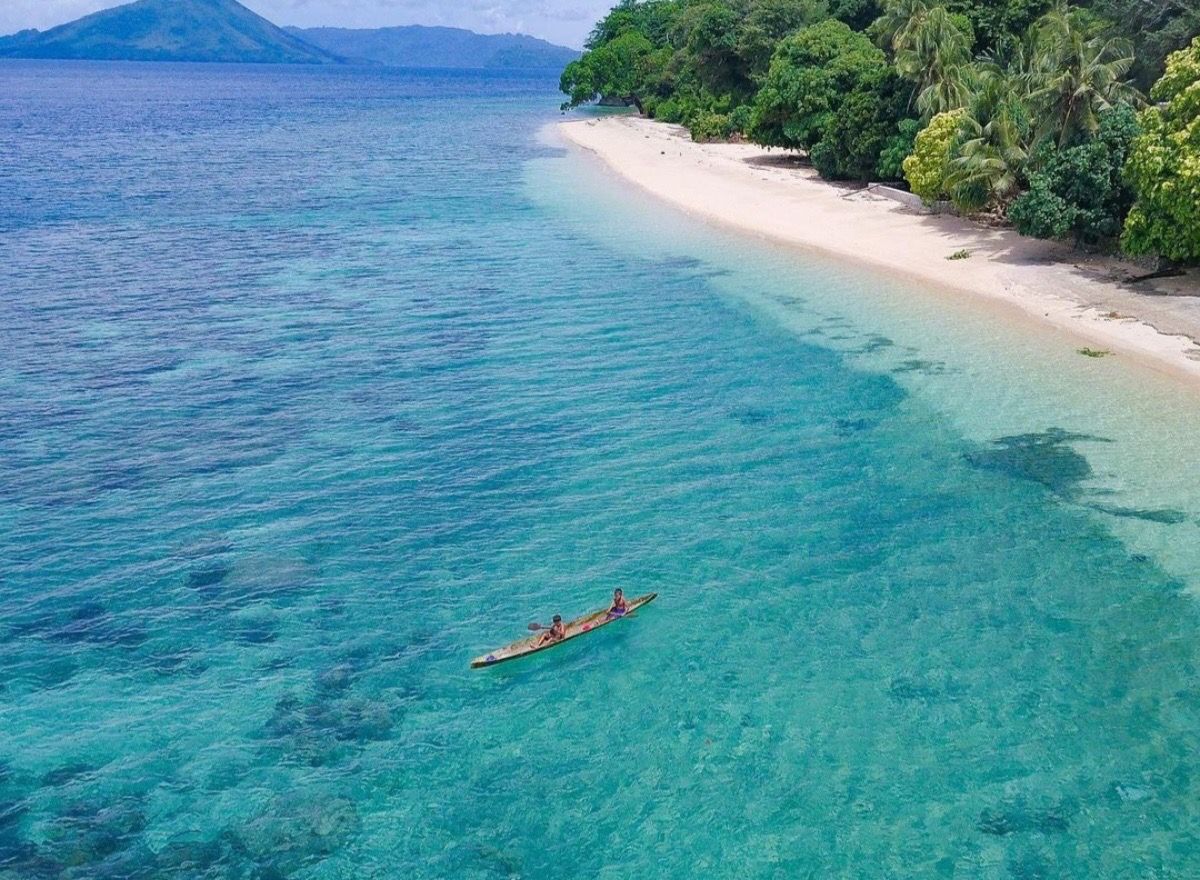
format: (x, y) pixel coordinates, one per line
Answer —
(1081, 191)
(928, 168)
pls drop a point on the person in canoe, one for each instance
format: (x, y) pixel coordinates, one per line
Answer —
(556, 633)
(619, 607)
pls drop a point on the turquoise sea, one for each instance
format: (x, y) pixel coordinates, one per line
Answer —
(314, 384)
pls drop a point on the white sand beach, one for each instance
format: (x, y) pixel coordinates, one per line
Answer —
(771, 195)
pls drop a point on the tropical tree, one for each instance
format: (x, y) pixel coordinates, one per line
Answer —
(810, 76)
(708, 34)
(928, 168)
(898, 147)
(1081, 191)
(1076, 77)
(858, 14)
(933, 51)
(769, 21)
(1157, 28)
(1164, 166)
(988, 165)
(856, 135)
(999, 24)
(616, 69)
(895, 17)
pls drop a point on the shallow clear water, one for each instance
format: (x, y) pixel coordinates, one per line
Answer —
(318, 383)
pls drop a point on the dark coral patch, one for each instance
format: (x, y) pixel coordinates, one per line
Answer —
(89, 832)
(1019, 818)
(294, 832)
(206, 577)
(67, 774)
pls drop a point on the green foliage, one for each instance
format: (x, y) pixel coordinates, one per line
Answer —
(856, 135)
(896, 149)
(928, 167)
(1028, 103)
(933, 50)
(1040, 211)
(613, 70)
(811, 74)
(1081, 190)
(858, 14)
(653, 20)
(988, 163)
(768, 22)
(1164, 165)
(739, 119)
(708, 34)
(999, 24)
(1075, 76)
(1156, 27)
(707, 125)
(895, 16)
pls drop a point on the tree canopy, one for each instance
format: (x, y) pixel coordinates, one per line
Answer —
(1164, 167)
(1022, 108)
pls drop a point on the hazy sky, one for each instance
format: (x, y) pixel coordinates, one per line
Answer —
(561, 21)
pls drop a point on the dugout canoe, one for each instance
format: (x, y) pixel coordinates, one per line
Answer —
(575, 628)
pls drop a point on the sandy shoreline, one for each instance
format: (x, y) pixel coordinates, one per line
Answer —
(768, 195)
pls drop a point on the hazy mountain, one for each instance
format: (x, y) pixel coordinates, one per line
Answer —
(168, 30)
(417, 46)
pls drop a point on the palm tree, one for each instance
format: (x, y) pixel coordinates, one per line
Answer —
(1075, 76)
(896, 16)
(934, 52)
(989, 163)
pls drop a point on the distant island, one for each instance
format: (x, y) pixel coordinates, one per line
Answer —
(226, 31)
(169, 30)
(418, 46)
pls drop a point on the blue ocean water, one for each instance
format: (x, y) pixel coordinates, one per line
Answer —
(310, 393)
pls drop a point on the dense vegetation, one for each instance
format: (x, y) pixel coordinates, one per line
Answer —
(1073, 121)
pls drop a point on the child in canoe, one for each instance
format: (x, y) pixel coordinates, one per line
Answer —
(556, 633)
(619, 608)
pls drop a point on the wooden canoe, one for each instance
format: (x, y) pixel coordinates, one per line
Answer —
(577, 627)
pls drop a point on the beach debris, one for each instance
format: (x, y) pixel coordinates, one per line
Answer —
(1094, 352)
(960, 255)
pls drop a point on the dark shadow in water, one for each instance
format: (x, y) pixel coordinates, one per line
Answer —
(100, 838)
(85, 623)
(1043, 457)
(1163, 515)
(1048, 459)
(751, 415)
(205, 578)
(91, 832)
(917, 365)
(67, 774)
(1018, 818)
(847, 427)
(874, 343)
